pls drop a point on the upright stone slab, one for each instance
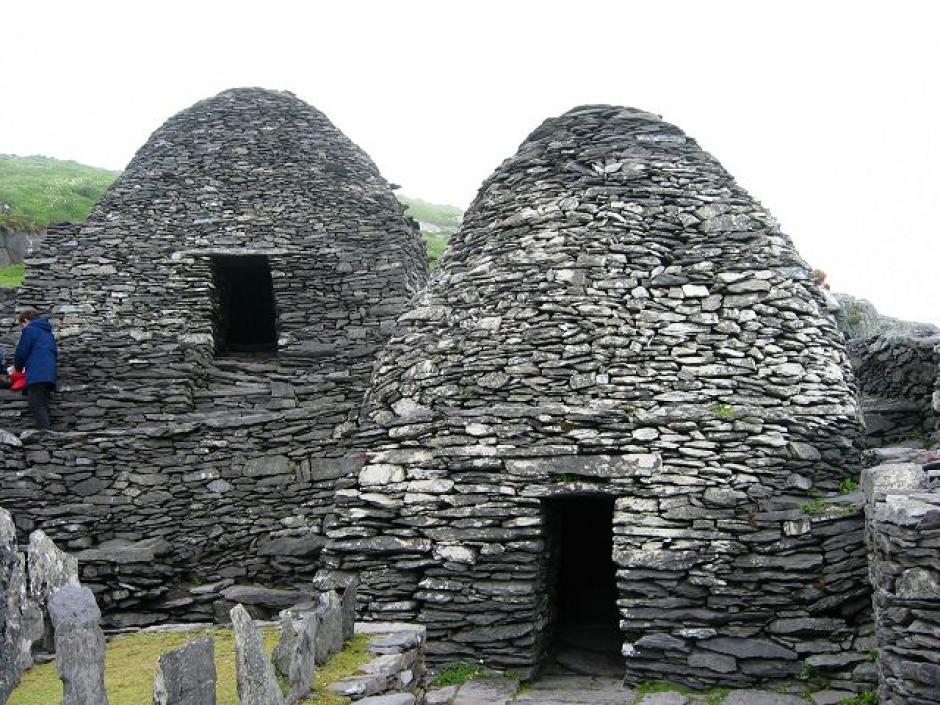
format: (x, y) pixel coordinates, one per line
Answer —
(12, 595)
(329, 636)
(295, 653)
(79, 645)
(50, 568)
(257, 682)
(350, 593)
(186, 676)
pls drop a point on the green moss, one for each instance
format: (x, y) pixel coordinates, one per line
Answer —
(456, 674)
(659, 687)
(848, 485)
(869, 697)
(724, 411)
(131, 661)
(12, 276)
(712, 696)
(817, 506)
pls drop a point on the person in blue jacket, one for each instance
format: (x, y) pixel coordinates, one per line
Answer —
(36, 353)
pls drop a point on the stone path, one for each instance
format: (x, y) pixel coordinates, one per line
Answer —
(596, 690)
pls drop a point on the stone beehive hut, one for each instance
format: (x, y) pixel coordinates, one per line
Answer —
(610, 407)
(250, 256)
(218, 316)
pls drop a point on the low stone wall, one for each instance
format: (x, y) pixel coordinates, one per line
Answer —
(903, 528)
(169, 520)
(786, 575)
(897, 377)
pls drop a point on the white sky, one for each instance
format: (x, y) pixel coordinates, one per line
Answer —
(827, 112)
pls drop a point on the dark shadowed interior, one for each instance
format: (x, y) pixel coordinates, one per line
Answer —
(245, 312)
(587, 635)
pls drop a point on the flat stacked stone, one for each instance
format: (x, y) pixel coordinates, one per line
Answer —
(617, 316)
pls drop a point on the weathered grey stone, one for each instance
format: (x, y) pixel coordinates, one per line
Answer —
(79, 645)
(14, 644)
(329, 634)
(440, 696)
(295, 653)
(257, 683)
(748, 648)
(488, 691)
(761, 697)
(186, 676)
(389, 699)
(349, 609)
(666, 698)
(719, 663)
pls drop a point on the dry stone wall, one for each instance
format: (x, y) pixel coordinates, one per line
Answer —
(903, 509)
(897, 376)
(168, 520)
(615, 317)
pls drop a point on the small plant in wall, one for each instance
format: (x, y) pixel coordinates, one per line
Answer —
(848, 485)
(723, 411)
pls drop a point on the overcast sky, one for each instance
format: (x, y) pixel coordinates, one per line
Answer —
(827, 112)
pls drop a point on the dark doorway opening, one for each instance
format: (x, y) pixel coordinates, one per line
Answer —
(244, 306)
(587, 637)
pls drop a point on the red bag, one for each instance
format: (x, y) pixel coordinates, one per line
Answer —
(17, 381)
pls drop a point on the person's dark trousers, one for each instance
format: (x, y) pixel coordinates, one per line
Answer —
(38, 396)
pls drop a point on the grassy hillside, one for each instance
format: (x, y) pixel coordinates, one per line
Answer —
(438, 223)
(37, 191)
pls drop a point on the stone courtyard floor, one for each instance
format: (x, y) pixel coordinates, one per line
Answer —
(594, 690)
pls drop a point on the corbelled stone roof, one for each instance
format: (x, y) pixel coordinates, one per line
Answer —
(615, 317)
(612, 264)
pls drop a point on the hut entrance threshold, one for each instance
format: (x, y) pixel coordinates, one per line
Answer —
(587, 637)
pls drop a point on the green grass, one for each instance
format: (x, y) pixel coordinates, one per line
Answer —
(869, 697)
(40, 190)
(443, 216)
(456, 674)
(12, 276)
(443, 219)
(131, 661)
(712, 696)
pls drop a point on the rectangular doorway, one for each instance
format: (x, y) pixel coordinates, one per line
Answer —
(245, 314)
(587, 637)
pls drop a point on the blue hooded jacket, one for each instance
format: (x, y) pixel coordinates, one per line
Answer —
(37, 353)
